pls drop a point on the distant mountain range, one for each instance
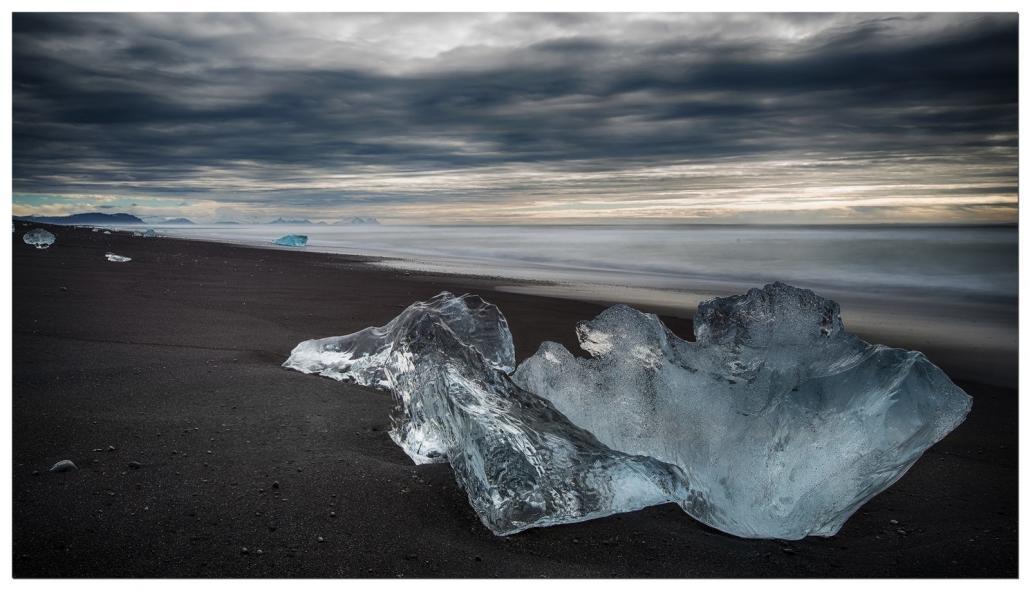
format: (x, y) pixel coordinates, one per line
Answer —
(345, 221)
(87, 219)
(358, 221)
(291, 221)
(127, 219)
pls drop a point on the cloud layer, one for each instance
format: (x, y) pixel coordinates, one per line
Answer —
(521, 117)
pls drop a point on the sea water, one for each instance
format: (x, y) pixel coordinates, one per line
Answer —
(911, 283)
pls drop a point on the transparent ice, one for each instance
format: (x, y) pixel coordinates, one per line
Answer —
(292, 240)
(150, 233)
(40, 238)
(521, 463)
(775, 423)
(111, 257)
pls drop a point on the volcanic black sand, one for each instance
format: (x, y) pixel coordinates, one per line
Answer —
(172, 362)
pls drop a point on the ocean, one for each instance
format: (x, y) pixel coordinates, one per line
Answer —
(910, 283)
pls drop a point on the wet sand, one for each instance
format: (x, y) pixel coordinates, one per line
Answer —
(172, 361)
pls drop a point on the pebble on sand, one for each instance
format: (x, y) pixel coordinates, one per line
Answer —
(63, 466)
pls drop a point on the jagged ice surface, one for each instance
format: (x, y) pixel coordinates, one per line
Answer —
(39, 237)
(775, 423)
(292, 240)
(521, 463)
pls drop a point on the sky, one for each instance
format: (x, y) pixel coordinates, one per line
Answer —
(519, 118)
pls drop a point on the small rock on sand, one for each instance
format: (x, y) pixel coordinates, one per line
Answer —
(63, 466)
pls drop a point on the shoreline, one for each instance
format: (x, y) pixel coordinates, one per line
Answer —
(173, 359)
(943, 332)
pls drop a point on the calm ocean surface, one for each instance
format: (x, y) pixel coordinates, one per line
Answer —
(933, 261)
(949, 288)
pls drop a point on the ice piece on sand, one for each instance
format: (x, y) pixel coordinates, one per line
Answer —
(111, 257)
(775, 423)
(137, 234)
(63, 466)
(292, 240)
(521, 463)
(150, 233)
(39, 237)
(96, 229)
(783, 422)
(107, 233)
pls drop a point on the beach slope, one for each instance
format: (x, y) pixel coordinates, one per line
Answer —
(199, 455)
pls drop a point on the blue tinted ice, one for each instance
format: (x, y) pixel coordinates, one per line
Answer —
(782, 421)
(775, 423)
(292, 240)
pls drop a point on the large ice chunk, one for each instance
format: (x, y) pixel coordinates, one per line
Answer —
(783, 422)
(292, 240)
(521, 463)
(775, 423)
(39, 237)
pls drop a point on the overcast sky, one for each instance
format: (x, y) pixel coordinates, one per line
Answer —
(520, 117)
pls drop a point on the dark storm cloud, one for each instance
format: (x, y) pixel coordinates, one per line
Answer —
(304, 112)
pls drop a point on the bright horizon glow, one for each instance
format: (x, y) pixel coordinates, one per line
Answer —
(519, 118)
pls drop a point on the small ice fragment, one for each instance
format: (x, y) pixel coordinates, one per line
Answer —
(150, 233)
(107, 233)
(63, 466)
(40, 238)
(137, 234)
(292, 240)
(96, 229)
(116, 258)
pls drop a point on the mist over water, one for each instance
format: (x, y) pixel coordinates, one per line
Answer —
(938, 262)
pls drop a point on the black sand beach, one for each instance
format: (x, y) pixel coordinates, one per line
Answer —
(173, 361)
